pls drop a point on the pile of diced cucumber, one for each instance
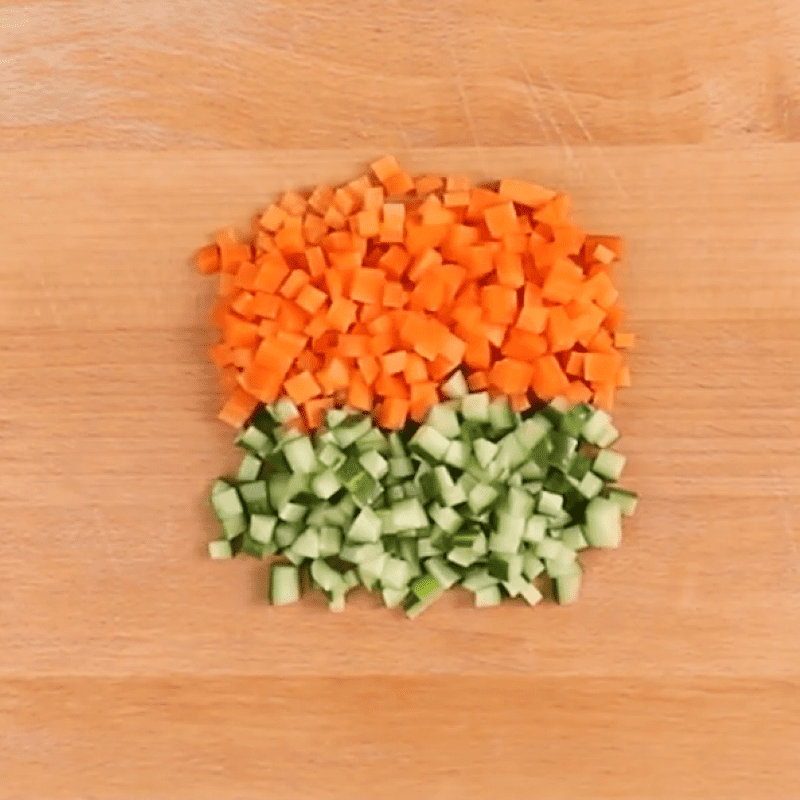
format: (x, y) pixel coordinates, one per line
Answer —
(477, 495)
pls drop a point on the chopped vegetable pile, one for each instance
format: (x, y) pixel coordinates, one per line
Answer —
(478, 495)
(410, 364)
(372, 293)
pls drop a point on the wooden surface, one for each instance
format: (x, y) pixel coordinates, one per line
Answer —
(130, 666)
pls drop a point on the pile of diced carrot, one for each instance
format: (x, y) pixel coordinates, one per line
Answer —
(371, 294)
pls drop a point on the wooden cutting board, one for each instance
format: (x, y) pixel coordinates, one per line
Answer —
(131, 666)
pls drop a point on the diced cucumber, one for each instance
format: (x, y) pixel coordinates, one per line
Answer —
(444, 420)
(481, 497)
(220, 549)
(550, 504)
(532, 566)
(478, 578)
(262, 527)
(609, 464)
(455, 385)
(429, 443)
(568, 587)
(475, 407)
(249, 469)
(285, 585)
(374, 463)
(226, 501)
(603, 523)
(325, 484)
(501, 418)
(444, 574)
(574, 538)
(590, 485)
(458, 454)
(625, 499)
(366, 527)
(488, 597)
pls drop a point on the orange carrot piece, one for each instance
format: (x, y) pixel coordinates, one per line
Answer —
(311, 299)
(525, 193)
(415, 369)
(501, 220)
(578, 392)
(272, 219)
(441, 367)
(368, 223)
(478, 354)
(477, 381)
(314, 228)
(398, 184)
(302, 387)
(308, 361)
(511, 376)
(423, 396)
(509, 269)
(604, 395)
(554, 212)
(353, 345)
(239, 332)
(294, 284)
(238, 408)
(221, 354)
(393, 413)
(499, 304)
(523, 345)
(394, 295)
(321, 199)
(549, 379)
(246, 275)
(625, 340)
(532, 319)
(428, 259)
(601, 342)
(520, 402)
(394, 362)
(602, 367)
(207, 260)
(390, 386)
(342, 314)
(369, 368)
(368, 286)
(395, 261)
(563, 281)
(575, 363)
(385, 167)
(334, 218)
(335, 375)
(314, 411)
(271, 274)
(457, 183)
(427, 184)
(359, 395)
(560, 330)
(392, 227)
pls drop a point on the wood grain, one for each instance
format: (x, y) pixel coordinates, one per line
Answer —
(130, 666)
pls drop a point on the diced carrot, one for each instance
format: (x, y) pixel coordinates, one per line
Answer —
(625, 340)
(359, 395)
(314, 411)
(602, 367)
(238, 408)
(385, 167)
(511, 376)
(294, 284)
(395, 362)
(525, 193)
(342, 297)
(604, 395)
(265, 305)
(207, 259)
(499, 304)
(271, 274)
(423, 397)
(560, 330)
(575, 363)
(549, 379)
(399, 184)
(272, 219)
(393, 413)
(334, 218)
(395, 261)
(509, 269)
(578, 392)
(601, 342)
(501, 220)
(523, 345)
(520, 402)
(334, 375)
(368, 286)
(390, 386)
(321, 199)
(369, 368)
(477, 381)
(246, 275)
(427, 184)
(302, 387)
